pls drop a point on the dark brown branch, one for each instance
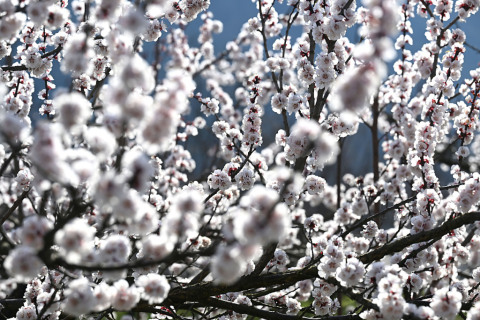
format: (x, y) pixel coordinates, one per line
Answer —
(345, 7)
(6, 162)
(284, 48)
(45, 55)
(394, 207)
(435, 233)
(265, 47)
(232, 177)
(311, 87)
(315, 107)
(15, 205)
(374, 216)
(208, 289)
(339, 174)
(469, 237)
(200, 276)
(15, 68)
(414, 253)
(99, 85)
(375, 151)
(267, 255)
(358, 297)
(438, 42)
(54, 52)
(264, 314)
(427, 7)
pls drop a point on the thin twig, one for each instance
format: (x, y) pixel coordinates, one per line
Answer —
(15, 205)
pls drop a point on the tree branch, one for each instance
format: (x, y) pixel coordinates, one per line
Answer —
(435, 233)
(264, 314)
(15, 205)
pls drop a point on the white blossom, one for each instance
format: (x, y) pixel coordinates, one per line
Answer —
(23, 263)
(446, 303)
(154, 287)
(124, 297)
(79, 297)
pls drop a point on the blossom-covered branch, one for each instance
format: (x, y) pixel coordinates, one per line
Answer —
(316, 167)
